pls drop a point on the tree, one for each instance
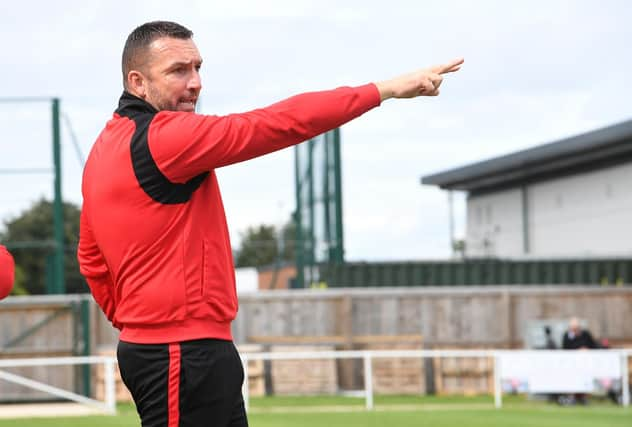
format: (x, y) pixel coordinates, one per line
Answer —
(19, 283)
(289, 241)
(31, 235)
(260, 245)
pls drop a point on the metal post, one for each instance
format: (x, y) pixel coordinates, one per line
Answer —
(49, 271)
(59, 284)
(368, 381)
(498, 403)
(339, 255)
(625, 384)
(76, 344)
(311, 239)
(299, 245)
(327, 200)
(110, 392)
(84, 308)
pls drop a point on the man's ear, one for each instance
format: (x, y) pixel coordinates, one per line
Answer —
(136, 83)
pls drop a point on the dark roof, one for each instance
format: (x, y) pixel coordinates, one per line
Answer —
(588, 151)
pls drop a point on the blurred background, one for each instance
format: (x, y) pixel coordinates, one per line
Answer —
(474, 220)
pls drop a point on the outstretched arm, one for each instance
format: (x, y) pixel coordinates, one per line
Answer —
(185, 145)
(424, 82)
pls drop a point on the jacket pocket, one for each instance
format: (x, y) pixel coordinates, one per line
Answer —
(218, 282)
(205, 267)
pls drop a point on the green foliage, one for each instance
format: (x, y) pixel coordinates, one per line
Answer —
(260, 246)
(289, 241)
(29, 237)
(408, 411)
(19, 284)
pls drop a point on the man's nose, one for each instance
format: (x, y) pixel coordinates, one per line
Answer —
(195, 82)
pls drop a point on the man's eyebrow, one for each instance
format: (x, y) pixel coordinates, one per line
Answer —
(179, 63)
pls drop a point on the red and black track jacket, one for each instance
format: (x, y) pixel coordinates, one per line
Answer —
(154, 244)
(7, 271)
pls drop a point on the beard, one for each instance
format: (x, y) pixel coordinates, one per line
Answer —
(160, 102)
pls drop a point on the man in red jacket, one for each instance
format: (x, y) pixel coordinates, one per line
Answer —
(154, 245)
(7, 271)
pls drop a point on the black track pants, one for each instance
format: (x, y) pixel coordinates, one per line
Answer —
(188, 384)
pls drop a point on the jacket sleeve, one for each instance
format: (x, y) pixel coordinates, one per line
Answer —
(94, 268)
(184, 145)
(7, 272)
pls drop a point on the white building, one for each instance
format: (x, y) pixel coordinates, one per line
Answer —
(570, 198)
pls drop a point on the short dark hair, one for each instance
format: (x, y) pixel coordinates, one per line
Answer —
(139, 40)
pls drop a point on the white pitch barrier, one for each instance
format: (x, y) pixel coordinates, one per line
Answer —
(529, 368)
(510, 366)
(107, 406)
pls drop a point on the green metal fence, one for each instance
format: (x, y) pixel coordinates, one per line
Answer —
(607, 272)
(318, 215)
(49, 326)
(55, 265)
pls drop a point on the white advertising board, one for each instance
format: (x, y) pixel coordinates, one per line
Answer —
(579, 371)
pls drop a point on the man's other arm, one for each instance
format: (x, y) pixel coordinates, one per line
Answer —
(94, 268)
(7, 272)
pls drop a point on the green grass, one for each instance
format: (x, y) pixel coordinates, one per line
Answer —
(391, 411)
(314, 401)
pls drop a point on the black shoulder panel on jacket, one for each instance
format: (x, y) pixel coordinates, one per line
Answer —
(150, 178)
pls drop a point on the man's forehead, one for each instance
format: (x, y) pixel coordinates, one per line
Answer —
(174, 50)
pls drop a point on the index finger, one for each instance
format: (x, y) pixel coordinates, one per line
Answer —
(450, 67)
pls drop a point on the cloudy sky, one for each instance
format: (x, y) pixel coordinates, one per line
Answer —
(535, 71)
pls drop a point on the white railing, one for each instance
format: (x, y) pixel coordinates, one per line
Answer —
(368, 355)
(108, 405)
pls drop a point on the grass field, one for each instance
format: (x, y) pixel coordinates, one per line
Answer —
(389, 411)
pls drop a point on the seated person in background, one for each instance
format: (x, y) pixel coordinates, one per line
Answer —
(7, 271)
(576, 337)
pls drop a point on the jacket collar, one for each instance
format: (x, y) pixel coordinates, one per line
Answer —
(130, 105)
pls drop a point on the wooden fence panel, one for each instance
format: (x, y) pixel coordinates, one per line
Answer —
(456, 317)
(40, 327)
